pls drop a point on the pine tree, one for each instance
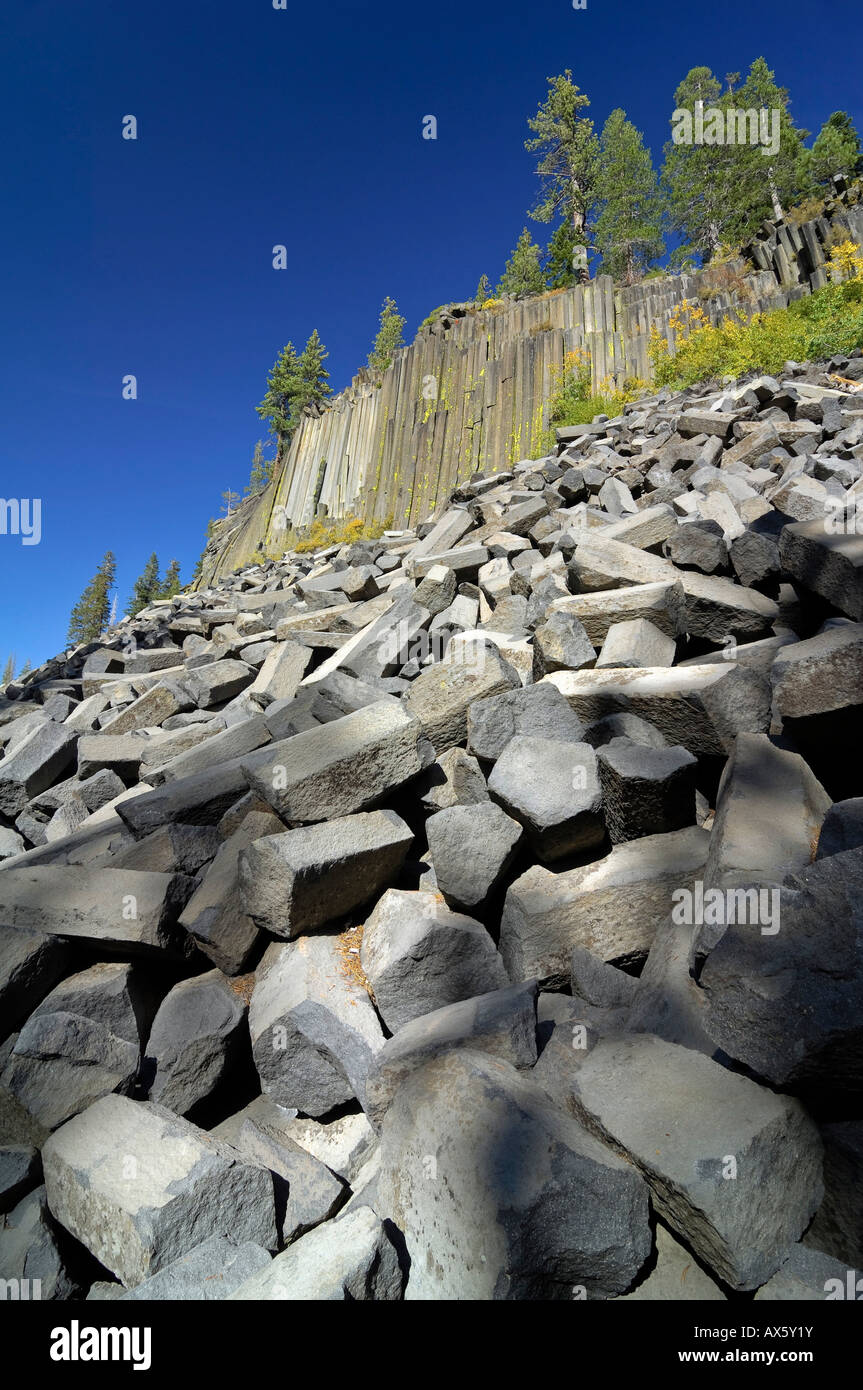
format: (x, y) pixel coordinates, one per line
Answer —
(629, 226)
(25, 670)
(283, 384)
(261, 472)
(314, 387)
(565, 141)
(389, 336)
(697, 179)
(836, 150)
(229, 501)
(483, 290)
(765, 182)
(8, 670)
(89, 617)
(170, 585)
(558, 268)
(146, 587)
(523, 274)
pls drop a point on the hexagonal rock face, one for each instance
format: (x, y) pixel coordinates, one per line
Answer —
(534, 711)
(646, 790)
(301, 879)
(734, 1168)
(193, 1038)
(471, 847)
(553, 789)
(502, 1196)
(418, 956)
(314, 1031)
(140, 1187)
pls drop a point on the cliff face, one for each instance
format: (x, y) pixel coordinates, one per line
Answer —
(471, 392)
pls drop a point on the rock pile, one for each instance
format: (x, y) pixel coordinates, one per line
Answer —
(469, 913)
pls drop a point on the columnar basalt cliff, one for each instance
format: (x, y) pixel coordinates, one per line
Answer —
(471, 392)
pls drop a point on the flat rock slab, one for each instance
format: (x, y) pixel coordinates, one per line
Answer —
(702, 708)
(301, 879)
(342, 767)
(734, 1169)
(418, 955)
(119, 908)
(500, 1024)
(502, 1196)
(314, 1030)
(350, 1259)
(611, 907)
(209, 1272)
(140, 1187)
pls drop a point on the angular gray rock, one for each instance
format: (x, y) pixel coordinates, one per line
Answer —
(301, 879)
(314, 1030)
(734, 1169)
(418, 956)
(140, 1187)
(352, 1259)
(471, 848)
(493, 722)
(553, 789)
(211, 1271)
(499, 1024)
(502, 1196)
(645, 790)
(196, 1036)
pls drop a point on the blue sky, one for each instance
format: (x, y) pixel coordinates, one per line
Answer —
(259, 126)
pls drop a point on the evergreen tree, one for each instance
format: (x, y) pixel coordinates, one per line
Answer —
(695, 177)
(565, 141)
(261, 473)
(25, 670)
(314, 387)
(282, 387)
(629, 226)
(170, 585)
(523, 274)
(389, 336)
(89, 617)
(229, 501)
(836, 150)
(146, 587)
(766, 183)
(558, 269)
(483, 290)
(8, 670)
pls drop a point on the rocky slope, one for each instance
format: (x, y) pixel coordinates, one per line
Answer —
(471, 392)
(473, 913)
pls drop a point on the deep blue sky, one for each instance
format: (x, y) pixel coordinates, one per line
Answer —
(258, 127)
